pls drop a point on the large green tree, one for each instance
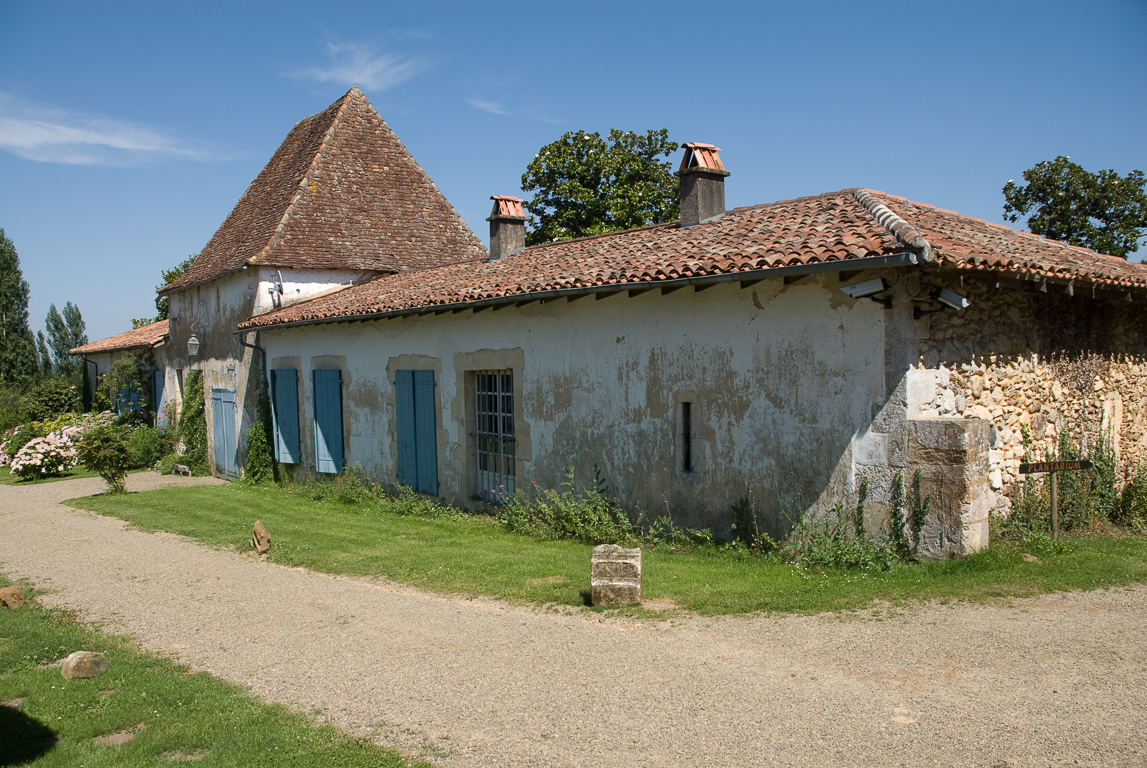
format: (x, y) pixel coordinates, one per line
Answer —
(584, 184)
(17, 345)
(169, 276)
(65, 332)
(1102, 211)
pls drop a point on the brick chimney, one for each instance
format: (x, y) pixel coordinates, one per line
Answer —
(702, 184)
(507, 226)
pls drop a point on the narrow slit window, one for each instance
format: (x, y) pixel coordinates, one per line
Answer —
(686, 437)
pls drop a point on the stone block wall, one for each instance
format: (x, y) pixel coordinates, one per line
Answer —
(952, 456)
(1036, 363)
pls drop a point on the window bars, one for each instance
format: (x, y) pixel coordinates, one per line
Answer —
(494, 433)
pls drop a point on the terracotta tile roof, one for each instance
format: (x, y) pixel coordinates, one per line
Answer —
(146, 336)
(341, 192)
(846, 226)
(974, 245)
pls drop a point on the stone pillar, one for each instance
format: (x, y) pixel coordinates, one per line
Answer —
(615, 576)
(953, 457)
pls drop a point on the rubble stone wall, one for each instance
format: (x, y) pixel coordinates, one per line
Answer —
(1036, 363)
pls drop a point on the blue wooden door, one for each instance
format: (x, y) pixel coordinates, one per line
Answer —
(285, 414)
(223, 421)
(415, 425)
(328, 420)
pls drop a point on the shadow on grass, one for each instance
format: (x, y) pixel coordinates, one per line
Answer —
(23, 738)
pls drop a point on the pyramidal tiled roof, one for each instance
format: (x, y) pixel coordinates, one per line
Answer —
(852, 225)
(145, 336)
(341, 192)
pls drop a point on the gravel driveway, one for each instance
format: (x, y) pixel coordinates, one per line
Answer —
(1056, 680)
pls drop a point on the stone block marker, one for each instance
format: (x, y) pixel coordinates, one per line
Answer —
(85, 664)
(260, 538)
(615, 576)
(12, 597)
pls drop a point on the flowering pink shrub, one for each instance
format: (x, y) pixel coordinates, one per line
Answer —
(45, 457)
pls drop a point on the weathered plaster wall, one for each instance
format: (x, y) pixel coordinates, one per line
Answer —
(1040, 362)
(781, 379)
(217, 307)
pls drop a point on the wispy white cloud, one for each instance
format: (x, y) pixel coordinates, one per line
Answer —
(356, 64)
(49, 134)
(493, 107)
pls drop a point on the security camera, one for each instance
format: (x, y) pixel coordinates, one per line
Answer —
(867, 288)
(951, 299)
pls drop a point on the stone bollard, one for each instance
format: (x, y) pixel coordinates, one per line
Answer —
(615, 576)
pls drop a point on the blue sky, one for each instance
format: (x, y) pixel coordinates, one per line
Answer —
(129, 130)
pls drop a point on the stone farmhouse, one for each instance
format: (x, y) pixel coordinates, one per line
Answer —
(781, 353)
(99, 357)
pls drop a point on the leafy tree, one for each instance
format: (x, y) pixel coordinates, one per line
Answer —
(65, 332)
(169, 276)
(1102, 211)
(584, 184)
(17, 345)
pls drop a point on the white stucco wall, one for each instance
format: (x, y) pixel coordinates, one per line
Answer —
(298, 285)
(781, 378)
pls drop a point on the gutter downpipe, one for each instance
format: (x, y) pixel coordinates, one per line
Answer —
(746, 278)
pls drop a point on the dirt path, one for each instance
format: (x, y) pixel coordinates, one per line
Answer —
(1058, 680)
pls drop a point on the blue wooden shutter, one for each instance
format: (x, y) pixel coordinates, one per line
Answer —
(415, 427)
(404, 427)
(285, 414)
(328, 420)
(157, 398)
(426, 440)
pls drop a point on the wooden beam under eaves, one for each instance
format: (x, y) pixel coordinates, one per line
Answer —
(668, 289)
(790, 279)
(847, 274)
(599, 295)
(702, 287)
(750, 283)
(551, 298)
(500, 307)
(524, 302)
(638, 291)
(479, 309)
(575, 297)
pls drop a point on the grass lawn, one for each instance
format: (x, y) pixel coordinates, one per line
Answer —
(7, 478)
(474, 555)
(175, 717)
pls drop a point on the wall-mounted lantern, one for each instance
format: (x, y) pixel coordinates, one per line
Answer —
(193, 341)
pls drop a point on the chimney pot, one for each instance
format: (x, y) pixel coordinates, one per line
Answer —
(507, 226)
(702, 177)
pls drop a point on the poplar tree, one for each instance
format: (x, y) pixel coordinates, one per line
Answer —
(17, 345)
(65, 332)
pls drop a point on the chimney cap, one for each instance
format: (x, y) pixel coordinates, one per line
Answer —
(702, 157)
(507, 206)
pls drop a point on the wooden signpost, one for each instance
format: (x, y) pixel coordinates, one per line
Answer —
(1054, 467)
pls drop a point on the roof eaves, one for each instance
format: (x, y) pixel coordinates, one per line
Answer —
(745, 277)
